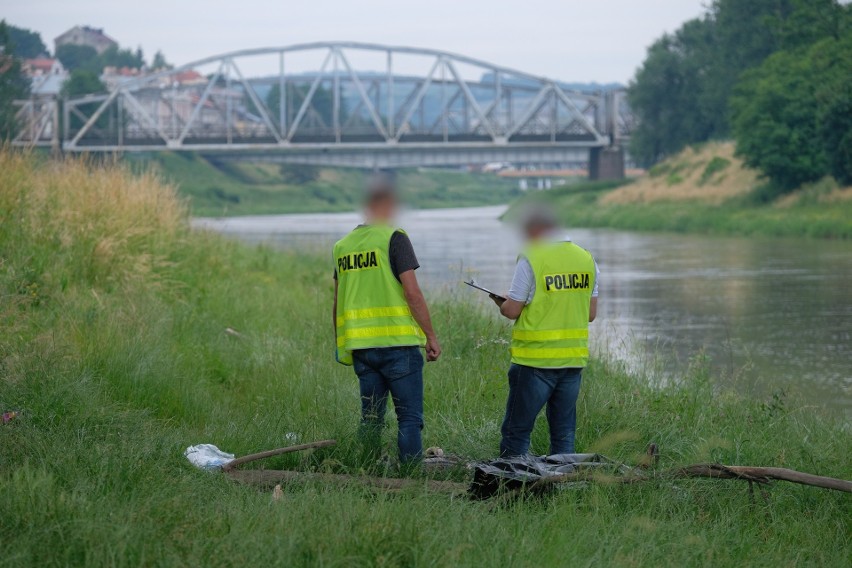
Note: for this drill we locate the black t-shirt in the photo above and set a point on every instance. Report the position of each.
(401, 253)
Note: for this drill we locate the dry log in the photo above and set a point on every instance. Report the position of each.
(268, 454)
(762, 475)
(712, 470)
(269, 478)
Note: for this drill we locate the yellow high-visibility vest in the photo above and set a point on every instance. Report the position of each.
(553, 330)
(371, 306)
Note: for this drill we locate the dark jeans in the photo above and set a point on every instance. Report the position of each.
(398, 372)
(529, 390)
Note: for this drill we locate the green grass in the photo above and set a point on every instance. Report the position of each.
(579, 206)
(716, 165)
(113, 348)
(216, 187)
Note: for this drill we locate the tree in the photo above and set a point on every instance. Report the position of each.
(790, 114)
(84, 57)
(834, 96)
(83, 82)
(748, 31)
(116, 57)
(13, 84)
(321, 112)
(667, 93)
(26, 44)
(681, 94)
(75, 57)
(159, 61)
(774, 122)
(813, 20)
(836, 133)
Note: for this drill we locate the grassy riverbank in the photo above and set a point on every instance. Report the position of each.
(115, 352)
(704, 191)
(219, 188)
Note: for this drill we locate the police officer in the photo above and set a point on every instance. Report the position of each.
(381, 320)
(552, 299)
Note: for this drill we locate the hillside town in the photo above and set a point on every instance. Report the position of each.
(47, 74)
(86, 62)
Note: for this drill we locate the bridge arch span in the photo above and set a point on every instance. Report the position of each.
(335, 105)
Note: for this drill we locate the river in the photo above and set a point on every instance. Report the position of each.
(768, 315)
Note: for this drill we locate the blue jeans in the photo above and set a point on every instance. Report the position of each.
(529, 390)
(398, 372)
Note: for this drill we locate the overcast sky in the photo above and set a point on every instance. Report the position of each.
(570, 40)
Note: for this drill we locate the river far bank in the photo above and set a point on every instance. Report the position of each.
(214, 187)
(703, 190)
(116, 356)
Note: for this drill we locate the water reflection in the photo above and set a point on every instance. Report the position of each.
(770, 314)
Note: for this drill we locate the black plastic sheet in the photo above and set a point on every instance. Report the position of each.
(491, 476)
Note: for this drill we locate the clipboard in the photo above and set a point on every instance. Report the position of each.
(472, 283)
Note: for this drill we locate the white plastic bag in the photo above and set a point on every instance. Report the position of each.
(207, 456)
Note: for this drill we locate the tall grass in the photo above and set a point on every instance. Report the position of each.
(708, 173)
(113, 348)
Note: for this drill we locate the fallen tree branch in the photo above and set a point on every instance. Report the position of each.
(268, 454)
(762, 475)
(751, 474)
(269, 478)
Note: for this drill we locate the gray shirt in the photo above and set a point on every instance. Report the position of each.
(523, 282)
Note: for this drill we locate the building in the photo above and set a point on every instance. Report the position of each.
(188, 77)
(85, 35)
(42, 66)
(114, 77)
(46, 75)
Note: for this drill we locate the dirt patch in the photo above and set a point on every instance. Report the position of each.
(710, 174)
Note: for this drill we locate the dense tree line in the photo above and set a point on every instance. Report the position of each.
(13, 84)
(74, 57)
(321, 107)
(792, 115)
(27, 43)
(773, 74)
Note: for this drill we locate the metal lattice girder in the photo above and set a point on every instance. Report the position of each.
(459, 101)
(37, 120)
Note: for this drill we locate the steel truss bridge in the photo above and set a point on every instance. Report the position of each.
(349, 108)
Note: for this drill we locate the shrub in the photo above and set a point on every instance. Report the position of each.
(714, 166)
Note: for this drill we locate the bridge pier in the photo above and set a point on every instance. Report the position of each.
(606, 163)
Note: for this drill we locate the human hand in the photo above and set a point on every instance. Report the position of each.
(433, 349)
(497, 299)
